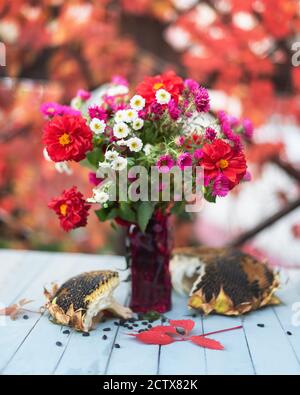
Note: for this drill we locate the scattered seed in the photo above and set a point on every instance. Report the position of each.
(163, 319)
(149, 326)
(180, 331)
(59, 344)
(132, 320)
(289, 333)
(135, 325)
(107, 329)
(261, 325)
(141, 330)
(116, 323)
(117, 345)
(104, 337)
(130, 327)
(25, 317)
(85, 334)
(144, 322)
(194, 315)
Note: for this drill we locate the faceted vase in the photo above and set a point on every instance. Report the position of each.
(148, 255)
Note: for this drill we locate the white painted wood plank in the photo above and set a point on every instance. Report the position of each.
(40, 343)
(270, 349)
(182, 358)
(235, 358)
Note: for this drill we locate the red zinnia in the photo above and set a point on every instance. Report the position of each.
(220, 157)
(71, 209)
(168, 81)
(67, 137)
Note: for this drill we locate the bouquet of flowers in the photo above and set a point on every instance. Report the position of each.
(165, 124)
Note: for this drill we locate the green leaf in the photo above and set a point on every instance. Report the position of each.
(126, 212)
(209, 196)
(105, 214)
(145, 211)
(95, 156)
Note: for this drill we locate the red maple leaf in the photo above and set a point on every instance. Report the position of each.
(205, 342)
(153, 337)
(187, 325)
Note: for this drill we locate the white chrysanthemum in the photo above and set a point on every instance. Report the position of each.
(119, 164)
(138, 124)
(131, 115)
(122, 142)
(135, 144)
(97, 126)
(121, 130)
(162, 96)
(147, 149)
(76, 103)
(120, 116)
(111, 155)
(137, 102)
(116, 90)
(99, 196)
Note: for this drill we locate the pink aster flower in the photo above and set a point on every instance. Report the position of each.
(248, 128)
(83, 94)
(179, 141)
(247, 177)
(97, 112)
(184, 160)
(173, 109)
(221, 186)
(202, 100)
(93, 179)
(119, 80)
(165, 163)
(210, 134)
(192, 85)
(198, 154)
(51, 109)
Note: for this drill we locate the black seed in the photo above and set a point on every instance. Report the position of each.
(66, 332)
(117, 345)
(107, 329)
(289, 333)
(151, 321)
(85, 334)
(141, 330)
(180, 331)
(116, 323)
(25, 317)
(131, 320)
(261, 325)
(149, 326)
(145, 323)
(59, 344)
(104, 337)
(163, 319)
(135, 325)
(194, 315)
(130, 327)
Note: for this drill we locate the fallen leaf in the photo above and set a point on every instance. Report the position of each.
(164, 329)
(154, 337)
(15, 309)
(187, 325)
(205, 342)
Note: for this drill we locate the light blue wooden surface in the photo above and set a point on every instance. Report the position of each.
(29, 346)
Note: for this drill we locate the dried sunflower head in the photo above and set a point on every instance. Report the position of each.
(81, 301)
(223, 280)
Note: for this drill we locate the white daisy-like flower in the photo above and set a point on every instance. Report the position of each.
(122, 142)
(135, 144)
(121, 130)
(97, 126)
(131, 115)
(147, 149)
(119, 164)
(104, 165)
(138, 124)
(111, 155)
(120, 116)
(98, 196)
(162, 96)
(137, 102)
(76, 103)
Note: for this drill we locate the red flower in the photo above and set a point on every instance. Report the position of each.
(67, 137)
(168, 81)
(220, 157)
(71, 209)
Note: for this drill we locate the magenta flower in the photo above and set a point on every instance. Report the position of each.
(51, 109)
(210, 134)
(192, 85)
(93, 179)
(165, 163)
(97, 112)
(202, 100)
(184, 160)
(119, 80)
(173, 109)
(221, 186)
(198, 154)
(248, 128)
(179, 141)
(83, 94)
(247, 177)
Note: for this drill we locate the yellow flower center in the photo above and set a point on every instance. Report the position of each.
(158, 85)
(223, 164)
(63, 209)
(64, 139)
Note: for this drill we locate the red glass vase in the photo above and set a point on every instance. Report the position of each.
(148, 255)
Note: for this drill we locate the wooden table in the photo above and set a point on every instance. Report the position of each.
(28, 346)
